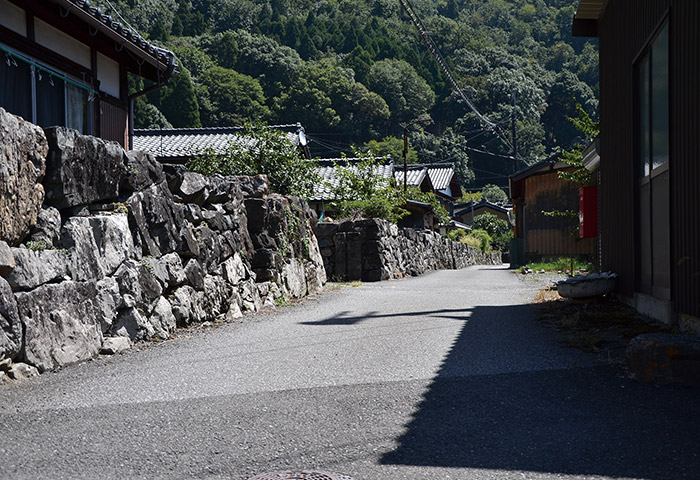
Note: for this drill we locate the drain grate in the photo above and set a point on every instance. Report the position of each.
(300, 475)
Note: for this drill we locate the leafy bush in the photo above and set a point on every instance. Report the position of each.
(261, 150)
(501, 242)
(498, 229)
(457, 235)
(484, 239)
(462, 236)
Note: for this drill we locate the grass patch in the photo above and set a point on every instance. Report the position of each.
(282, 302)
(560, 265)
(337, 285)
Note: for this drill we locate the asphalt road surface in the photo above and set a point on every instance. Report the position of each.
(446, 376)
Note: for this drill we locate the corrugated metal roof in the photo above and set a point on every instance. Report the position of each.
(330, 179)
(185, 142)
(440, 175)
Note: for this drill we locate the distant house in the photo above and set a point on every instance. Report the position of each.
(178, 145)
(64, 62)
(420, 216)
(537, 189)
(649, 191)
(442, 178)
(416, 177)
(465, 213)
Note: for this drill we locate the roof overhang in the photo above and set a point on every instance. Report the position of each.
(591, 155)
(159, 59)
(587, 17)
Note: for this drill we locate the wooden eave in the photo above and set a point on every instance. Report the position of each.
(587, 16)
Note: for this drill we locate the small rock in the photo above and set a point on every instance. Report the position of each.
(3, 378)
(114, 345)
(5, 364)
(7, 260)
(20, 371)
(48, 226)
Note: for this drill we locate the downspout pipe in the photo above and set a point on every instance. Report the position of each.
(171, 72)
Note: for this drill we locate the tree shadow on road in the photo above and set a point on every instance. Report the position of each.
(527, 414)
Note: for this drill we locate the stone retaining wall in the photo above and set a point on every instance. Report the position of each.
(108, 248)
(372, 250)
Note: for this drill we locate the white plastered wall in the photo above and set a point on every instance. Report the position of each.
(13, 17)
(61, 43)
(108, 75)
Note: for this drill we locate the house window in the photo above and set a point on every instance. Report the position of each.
(42, 96)
(16, 87)
(653, 105)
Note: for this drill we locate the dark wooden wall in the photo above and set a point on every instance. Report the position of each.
(624, 31)
(547, 236)
(114, 123)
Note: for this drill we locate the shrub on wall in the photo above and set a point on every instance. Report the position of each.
(261, 150)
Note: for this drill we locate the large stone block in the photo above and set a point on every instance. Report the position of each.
(23, 150)
(142, 171)
(81, 169)
(48, 227)
(10, 326)
(97, 245)
(138, 285)
(35, 268)
(156, 219)
(61, 324)
(254, 187)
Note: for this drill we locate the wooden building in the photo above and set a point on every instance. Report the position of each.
(537, 189)
(65, 62)
(649, 190)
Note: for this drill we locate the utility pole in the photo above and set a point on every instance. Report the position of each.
(405, 147)
(515, 135)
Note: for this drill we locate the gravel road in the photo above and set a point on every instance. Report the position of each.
(445, 376)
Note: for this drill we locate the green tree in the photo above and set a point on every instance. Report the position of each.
(392, 147)
(407, 94)
(235, 98)
(178, 102)
(274, 65)
(447, 148)
(494, 194)
(574, 157)
(498, 229)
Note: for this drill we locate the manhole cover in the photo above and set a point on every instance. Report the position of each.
(300, 475)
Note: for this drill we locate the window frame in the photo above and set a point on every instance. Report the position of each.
(36, 68)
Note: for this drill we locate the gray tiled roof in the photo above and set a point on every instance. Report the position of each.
(329, 175)
(414, 176)
(440, 174)
(180, 143)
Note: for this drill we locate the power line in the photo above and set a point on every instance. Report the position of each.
(435, 52)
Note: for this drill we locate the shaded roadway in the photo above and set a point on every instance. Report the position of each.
(444, 376)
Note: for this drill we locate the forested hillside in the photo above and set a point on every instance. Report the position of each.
(354, 72)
